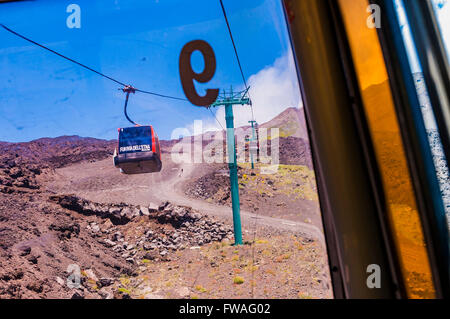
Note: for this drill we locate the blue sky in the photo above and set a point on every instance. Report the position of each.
(137, 42)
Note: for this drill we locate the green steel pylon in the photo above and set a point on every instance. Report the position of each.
(228, 99)
(253, 123)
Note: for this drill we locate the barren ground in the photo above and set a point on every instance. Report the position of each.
(63, 203)
(284, 247)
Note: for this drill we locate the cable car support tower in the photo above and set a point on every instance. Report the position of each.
(228, 99)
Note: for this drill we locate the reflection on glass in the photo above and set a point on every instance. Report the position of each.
(442, 8)
(182, 248)
(384, 129)
(442, 11)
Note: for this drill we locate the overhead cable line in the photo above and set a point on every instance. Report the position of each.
(232, 41)
(88, 68)
(237, 55)
(161, 95)
(128, 89)
(125, 86)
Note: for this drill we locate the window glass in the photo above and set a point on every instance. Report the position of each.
(174, 229)
(389, 150)
(135, 139)
(442, 8)
(442, 11)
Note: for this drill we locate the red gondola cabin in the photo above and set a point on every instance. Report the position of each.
(138, 150)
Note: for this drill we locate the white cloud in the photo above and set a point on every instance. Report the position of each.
(275, 88)
(272, 90)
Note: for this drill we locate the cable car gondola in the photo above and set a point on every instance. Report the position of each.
(138, 150)
(138, 146)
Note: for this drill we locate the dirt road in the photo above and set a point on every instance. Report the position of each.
(101, 182)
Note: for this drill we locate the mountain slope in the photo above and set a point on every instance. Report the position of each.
(291, 122)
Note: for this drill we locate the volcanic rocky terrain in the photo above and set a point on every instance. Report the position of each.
(71, 226)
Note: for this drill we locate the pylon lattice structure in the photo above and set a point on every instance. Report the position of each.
(228, 99)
